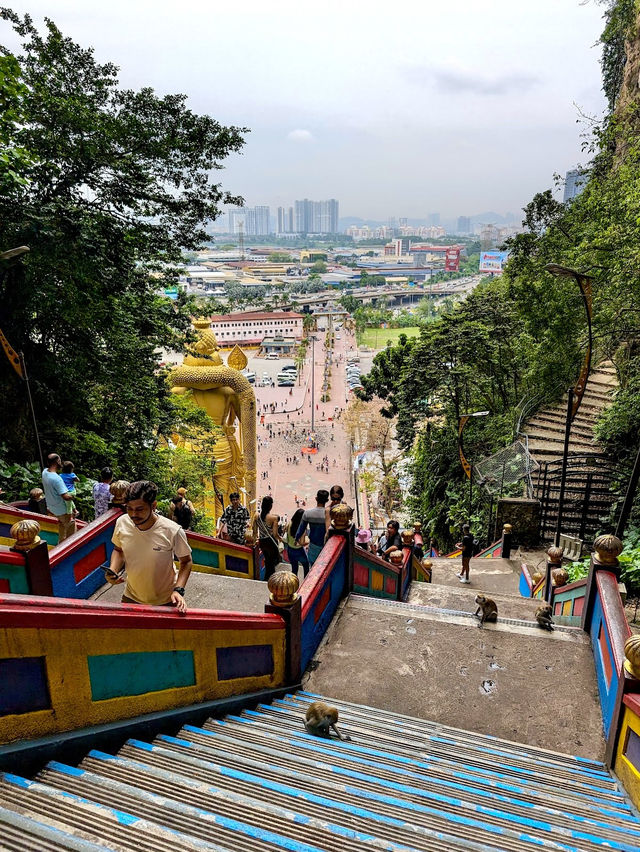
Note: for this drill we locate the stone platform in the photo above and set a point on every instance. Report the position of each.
(507, 680)
(486, 575)
(209, 591)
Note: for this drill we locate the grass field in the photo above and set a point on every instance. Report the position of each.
(377, 338)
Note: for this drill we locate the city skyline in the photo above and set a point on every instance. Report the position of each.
(463, 107)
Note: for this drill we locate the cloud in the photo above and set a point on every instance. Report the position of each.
(450, 81)
(303, 136)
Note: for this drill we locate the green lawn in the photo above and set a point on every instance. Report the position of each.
(377, 338)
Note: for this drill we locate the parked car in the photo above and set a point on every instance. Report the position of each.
(289, 368)
(272, 356)
(286, 383)
(250, 376)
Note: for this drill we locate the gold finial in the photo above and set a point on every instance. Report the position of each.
(407, 538)
(559, 576)
(555, 555)
(26, 535)
(507, 529)
(283, 588)
(201, 323)
(607, 548)
(396, 557)
(237, 359)
(632, 654)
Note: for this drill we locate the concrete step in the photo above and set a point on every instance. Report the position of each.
(442, 666)
(259, 781)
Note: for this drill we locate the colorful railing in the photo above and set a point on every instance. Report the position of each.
(526, 583)
(568, 601)
(215, 556)
(609, 631)
(375, 577)
(77, 565)
(325, 585)
(70, 664)
(627, 760)
(9, 515)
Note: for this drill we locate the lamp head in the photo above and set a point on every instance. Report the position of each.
(14, 252)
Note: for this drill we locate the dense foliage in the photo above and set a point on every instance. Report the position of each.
(522, 337)
(107, 187)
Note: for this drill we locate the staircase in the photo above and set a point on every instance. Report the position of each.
(258, 781)
(545, 430)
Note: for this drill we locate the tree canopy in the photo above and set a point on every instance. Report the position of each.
(107, 186)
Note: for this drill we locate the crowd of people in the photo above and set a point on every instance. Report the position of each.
(148, 543)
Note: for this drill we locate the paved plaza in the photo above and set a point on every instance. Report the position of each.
(291, 425)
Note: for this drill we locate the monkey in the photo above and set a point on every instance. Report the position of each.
(543, 616)
(488, 608)
(319, 720)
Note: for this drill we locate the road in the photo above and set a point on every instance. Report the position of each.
(290, 424)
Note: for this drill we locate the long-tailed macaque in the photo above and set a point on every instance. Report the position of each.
(319, 720)
(543, 616)
(487, 609)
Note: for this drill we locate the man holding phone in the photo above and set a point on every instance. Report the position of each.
(147, 544)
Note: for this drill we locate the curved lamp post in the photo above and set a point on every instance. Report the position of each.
(16, 359)
(574, 394)
(466, 466)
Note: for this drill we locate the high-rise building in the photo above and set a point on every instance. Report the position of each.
(282, 220)
(574, 182)
(464, 225)
(433, 218)
(262, 221)
(255, 220)
(403, 221)
(316, 217)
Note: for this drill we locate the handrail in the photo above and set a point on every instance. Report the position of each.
(222, 542)
(613, 610)
(322, 567)
(80, 537)
(70, 614)
(377, 560)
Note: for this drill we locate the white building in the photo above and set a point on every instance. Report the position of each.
(251, 327)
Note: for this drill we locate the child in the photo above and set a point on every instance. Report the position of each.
(37, 503)
(69, 478)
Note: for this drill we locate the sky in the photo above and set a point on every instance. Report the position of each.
(457, 106)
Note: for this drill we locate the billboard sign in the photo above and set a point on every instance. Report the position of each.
(493, 261)
(452, 259)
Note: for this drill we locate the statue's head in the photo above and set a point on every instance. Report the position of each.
(204, 352)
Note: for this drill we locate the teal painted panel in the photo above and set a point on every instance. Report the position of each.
(117, 675)
(49, 537)
(17, 578)
(210, 558)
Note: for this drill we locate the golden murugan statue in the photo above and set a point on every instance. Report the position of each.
(228, 398)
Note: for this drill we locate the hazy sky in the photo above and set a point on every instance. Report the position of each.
(456, 106)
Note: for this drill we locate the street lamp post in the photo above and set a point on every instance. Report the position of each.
(466, 466)
(313, 383)
(16, 359)
(576, 393)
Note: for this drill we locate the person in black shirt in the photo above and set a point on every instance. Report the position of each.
(393, 540)
(467, 552)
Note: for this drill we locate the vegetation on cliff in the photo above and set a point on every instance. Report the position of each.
(521, 338)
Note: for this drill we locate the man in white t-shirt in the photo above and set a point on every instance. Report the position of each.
(145, 544)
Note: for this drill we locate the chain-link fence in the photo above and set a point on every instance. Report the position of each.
(506, 467)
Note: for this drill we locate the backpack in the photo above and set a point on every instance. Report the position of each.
(183, 515)
(476, 547)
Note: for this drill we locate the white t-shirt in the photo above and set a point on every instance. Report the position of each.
(149, 558)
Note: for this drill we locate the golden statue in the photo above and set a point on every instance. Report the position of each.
(228, 398)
